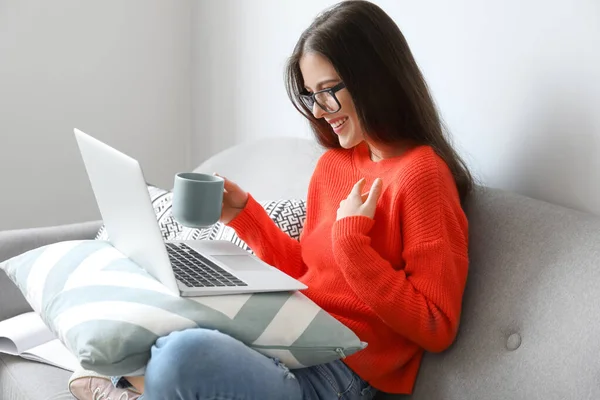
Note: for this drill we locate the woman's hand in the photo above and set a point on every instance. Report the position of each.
(234, 200)
(360, 204)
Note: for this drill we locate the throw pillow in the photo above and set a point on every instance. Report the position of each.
(162, 202)
(288, 215)
(109, 311)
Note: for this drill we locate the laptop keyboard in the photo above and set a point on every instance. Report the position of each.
(195, 270)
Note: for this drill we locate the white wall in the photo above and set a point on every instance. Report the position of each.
(239, 52)
(518, 83)
(119, 70)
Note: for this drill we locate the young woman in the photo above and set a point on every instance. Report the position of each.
(384, 246)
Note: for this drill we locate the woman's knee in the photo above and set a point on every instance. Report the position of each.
(185, 354)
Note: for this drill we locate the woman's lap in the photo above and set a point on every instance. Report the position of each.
(201, 363)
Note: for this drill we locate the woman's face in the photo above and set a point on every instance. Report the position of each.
(318, 74)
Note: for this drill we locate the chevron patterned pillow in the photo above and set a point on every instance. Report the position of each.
(109, 311)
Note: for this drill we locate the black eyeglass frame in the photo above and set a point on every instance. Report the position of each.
(312, 99)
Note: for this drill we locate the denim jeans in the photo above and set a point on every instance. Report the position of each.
(206, 364)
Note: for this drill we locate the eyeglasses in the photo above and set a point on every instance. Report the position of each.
(325, 98)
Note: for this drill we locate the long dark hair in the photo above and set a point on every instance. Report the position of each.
(373, 59)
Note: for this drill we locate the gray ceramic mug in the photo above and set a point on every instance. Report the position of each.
(197, 199)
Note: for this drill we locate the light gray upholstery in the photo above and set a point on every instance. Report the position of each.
(26, 380)
(529, 328)
(534, 278)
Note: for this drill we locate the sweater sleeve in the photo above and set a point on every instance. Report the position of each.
(421, 301)
(254, 226)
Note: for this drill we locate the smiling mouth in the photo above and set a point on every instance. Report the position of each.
(339, 123)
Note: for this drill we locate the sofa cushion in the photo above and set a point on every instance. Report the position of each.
(109, 311)
(22, 379)
(529, 327)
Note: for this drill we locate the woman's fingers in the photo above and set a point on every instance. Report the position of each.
(229, 186)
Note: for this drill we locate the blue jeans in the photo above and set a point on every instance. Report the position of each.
(206, 364)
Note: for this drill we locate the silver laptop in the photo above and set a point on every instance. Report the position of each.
(187, 268)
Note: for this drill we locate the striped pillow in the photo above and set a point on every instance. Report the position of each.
(109, 312)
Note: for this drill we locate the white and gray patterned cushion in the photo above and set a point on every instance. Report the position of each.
(109, 311)
(162, 202)
(289, 215)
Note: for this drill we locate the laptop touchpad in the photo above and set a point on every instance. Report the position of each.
(241, 263)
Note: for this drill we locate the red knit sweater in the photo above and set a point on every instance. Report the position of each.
(396, 280)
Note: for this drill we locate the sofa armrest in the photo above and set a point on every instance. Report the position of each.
(15, 242)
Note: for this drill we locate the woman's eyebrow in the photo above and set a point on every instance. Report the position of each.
(323, 83)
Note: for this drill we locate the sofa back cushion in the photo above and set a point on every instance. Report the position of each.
(530, 327)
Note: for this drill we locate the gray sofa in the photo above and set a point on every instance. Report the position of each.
(530, 325)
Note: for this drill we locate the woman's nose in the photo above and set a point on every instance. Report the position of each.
(317, 111)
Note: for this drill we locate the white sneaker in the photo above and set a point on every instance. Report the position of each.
(88, 385)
